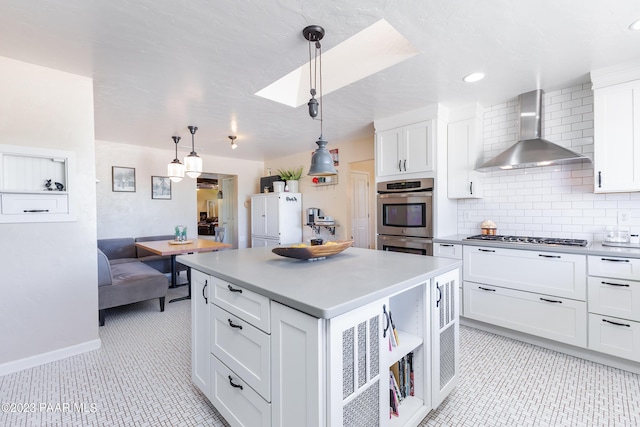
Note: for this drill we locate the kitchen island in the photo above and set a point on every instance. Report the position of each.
(279, 341)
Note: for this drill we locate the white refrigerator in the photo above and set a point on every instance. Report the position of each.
(276, 219)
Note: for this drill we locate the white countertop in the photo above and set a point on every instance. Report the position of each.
(593, 248)
(324, 288)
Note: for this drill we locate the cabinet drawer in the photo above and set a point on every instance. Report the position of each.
(549, 273)
(614, 297)
(616, 267)
(238, 403)
(249, 306)
(614, 336)
(559, 319)
(447, 250)
(34, 204)
(243, 348)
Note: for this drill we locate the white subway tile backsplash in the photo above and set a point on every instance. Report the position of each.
(547, 201)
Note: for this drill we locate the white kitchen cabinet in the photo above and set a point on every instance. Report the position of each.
(550, 273)
(614, 306)
(405, 149)
(24, 196)
(200, 327)
(452, 251)
(616, 128)
(547, 316)
(464, 143)
(276, 218)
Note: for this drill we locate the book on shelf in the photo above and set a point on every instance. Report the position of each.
(394, 402)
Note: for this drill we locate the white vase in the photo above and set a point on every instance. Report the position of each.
(293, 185)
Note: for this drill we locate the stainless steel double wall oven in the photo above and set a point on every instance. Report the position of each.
(405, 216)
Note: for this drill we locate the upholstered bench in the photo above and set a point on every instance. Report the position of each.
(125, 281)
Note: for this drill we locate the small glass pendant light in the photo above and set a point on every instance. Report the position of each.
(192, 162)
(175, 169)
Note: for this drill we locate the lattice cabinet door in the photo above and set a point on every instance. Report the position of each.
(356, 391)
(444, 335)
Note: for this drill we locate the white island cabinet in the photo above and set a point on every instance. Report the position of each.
(297, 343)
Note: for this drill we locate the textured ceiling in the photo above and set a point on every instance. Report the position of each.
(159, 66)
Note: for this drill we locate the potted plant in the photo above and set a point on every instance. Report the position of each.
(291, 176)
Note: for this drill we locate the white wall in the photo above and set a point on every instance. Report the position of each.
(332, 199)
(549, 201)
(136, 214)
(49, 304)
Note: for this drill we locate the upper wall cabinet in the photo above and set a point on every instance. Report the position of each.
(405, 149)
(616, 129)
(35, 185)
(464, 151)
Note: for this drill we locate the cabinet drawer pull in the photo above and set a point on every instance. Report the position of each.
(486, 250)
(232, 289)
(405, 165)
(386, 316)
(614, 260)
(206, 301)
(400, 165)
(234, 385)
(439, 295)
(599, 179)
(616, 323)
(486, 289)
(551, 300)
(625, 285)
(471, 188)
(446, 245)
(234, 325)
(35, 210)
(549, 256)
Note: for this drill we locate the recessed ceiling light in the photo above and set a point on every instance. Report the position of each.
(373, 49)
(635, 26)
(473, 77)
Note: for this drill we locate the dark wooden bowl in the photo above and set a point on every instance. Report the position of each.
(312, 252)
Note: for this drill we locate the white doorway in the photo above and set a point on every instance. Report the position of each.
(360, 209)
(217, 207)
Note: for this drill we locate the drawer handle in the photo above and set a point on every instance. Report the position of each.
(232, 289)
(551, 300)
(616, 323)
(614, 260)
(35, 210)
(549, 256)
(486, 289)
(386, 316)
(234, 385)
(206, 301)
(625, 285)
(446, 245)
(234, 325)
(486, 250)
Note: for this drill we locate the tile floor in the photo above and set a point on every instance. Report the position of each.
(141, 376)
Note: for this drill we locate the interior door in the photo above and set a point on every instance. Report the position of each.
(360, 231)
(228, 206)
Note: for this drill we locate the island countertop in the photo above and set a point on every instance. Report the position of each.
(324, 288)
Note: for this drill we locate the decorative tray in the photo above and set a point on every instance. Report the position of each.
(180, 242)
(312, 253)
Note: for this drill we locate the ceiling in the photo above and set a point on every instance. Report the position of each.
(160, 65)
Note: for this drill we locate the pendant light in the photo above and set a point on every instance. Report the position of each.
(193, 163)
(321, 160)
(175, 169)
(233, 142)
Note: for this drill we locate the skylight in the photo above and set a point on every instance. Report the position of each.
(373, 49)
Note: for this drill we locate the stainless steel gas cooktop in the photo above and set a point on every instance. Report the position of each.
(530, 240)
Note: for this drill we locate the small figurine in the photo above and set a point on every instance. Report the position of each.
(48, 185)
(59, 186)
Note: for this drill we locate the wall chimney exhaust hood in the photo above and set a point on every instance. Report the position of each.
(531, 150)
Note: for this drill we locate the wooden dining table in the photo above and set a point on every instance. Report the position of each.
(173, 248)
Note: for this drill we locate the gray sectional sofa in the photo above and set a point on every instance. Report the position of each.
(127, 274)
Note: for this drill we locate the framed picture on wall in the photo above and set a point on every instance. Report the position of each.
(160, 187)
(124, 179)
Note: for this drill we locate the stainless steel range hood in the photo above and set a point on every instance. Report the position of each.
(531, 150)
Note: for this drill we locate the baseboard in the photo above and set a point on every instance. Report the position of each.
(582, 353)
(51, 356)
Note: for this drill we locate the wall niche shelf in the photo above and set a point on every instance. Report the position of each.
(24, 194)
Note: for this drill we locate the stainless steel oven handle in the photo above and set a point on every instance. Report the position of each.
(405, 195)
